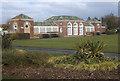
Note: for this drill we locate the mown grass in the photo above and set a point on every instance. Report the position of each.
(70, 42)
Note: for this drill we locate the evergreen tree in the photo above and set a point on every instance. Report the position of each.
(88, 18)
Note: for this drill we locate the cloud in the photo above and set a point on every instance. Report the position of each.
(62, 0)
(43, 10)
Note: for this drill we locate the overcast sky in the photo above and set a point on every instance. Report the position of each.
(43, 10)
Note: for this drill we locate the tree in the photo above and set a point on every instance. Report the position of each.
(96, 18)
(5, 27)
(110, 21)
(88, 18)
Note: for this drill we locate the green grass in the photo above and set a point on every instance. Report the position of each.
(69, 42)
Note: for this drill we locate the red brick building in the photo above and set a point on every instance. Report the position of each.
(21, 24)
(65, 26)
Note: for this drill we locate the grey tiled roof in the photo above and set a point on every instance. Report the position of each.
(44, 24)
(55, 18)
(94, 20)
(22, 16)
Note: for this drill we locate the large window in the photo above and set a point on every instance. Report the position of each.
(69, 29)
(42, 30)
(55, 29)
(48, 29)
(80, 29)
(36, 30)
(75, 29)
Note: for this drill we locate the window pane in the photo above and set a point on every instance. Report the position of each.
(55, 29)
(36, 30)
(42, 29)
(48, 29)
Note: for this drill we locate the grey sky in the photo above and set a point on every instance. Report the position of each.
(43, 10)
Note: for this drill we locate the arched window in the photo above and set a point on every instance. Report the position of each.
(75, 29)
(69, 28)
(80, 29)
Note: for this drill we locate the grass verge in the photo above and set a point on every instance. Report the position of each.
(69, 42)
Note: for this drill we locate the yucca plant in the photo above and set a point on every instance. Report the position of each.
(90, 49)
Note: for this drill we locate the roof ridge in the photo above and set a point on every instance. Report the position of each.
(22, 16)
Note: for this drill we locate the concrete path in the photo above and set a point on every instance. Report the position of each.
(61, 51)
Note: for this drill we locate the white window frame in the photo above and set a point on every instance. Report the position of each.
(75, 27)
(69, 27)
(81, 28)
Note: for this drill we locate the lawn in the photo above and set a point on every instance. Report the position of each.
(70, 42)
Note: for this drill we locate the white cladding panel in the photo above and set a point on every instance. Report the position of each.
(45, 29)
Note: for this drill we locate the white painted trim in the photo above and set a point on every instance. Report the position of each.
(75, 27)
(71, 28)
(80, 28)
(51, 27)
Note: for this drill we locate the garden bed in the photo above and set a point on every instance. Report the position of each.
(23, 64)
(57, 73)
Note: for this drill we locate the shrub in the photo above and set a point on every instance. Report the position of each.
(6, 41)
(90, 49)
(97, 33)
(103, 32)
(24, 58)
(109, 32)
(18, 36)
(53, 35)
(90, 33)
(45, 36)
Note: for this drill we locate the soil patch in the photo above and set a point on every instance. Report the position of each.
(58, 73)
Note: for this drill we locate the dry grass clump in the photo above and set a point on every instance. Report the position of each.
(108, 65)
(23, 58)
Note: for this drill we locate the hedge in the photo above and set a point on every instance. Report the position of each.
(97, 33)
(53, 35)
(45, 36)
(48, 35)
(110, 32)
(15, 36)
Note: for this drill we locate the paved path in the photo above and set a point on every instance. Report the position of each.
(61, 51)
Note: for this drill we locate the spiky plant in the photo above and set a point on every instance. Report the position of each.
(90, 49)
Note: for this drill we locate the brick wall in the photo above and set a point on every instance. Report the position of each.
(20, 23)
